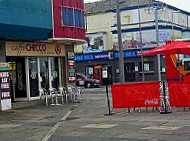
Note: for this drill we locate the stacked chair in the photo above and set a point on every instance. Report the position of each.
(71, 93)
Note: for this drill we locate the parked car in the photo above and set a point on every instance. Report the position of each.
(82, 80)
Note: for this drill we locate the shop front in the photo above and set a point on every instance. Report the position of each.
(37, 66)
(85, 63)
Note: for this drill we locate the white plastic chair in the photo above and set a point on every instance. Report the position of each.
(71, 92)
(43, 92)
(63, 93)
(74, 93)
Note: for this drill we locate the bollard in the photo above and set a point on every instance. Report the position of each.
(108, 102)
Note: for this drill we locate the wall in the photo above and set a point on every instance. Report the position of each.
(62, 31)
(101, 23)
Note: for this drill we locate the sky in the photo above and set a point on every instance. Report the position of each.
(181, 4)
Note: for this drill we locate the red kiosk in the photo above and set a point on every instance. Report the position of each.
(148, 94)
(178, 81)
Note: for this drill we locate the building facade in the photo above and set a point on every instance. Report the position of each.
(35, 39)
(102, 36)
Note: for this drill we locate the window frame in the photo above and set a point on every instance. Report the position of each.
(80, 17)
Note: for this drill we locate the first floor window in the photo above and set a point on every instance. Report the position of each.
(72, 17)
(67, 16)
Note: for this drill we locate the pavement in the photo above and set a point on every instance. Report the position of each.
(86, 121)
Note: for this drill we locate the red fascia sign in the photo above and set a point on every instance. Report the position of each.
(136, 95)
(5, 87)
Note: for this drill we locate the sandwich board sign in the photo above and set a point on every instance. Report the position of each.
(5, 87)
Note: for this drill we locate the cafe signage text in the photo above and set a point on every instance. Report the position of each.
(34, 49)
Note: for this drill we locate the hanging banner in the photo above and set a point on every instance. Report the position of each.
(34, 49)
(179, 93)
(136, 95)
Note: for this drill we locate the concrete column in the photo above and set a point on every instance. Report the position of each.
(2, 51)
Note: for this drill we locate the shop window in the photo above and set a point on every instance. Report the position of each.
(187, 65)
(90, 71)
(148, 67)
(72, 17)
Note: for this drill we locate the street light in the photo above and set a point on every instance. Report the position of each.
(178, 61)
(155, 6)
(121, 60)
(141, 46)
(157, 41)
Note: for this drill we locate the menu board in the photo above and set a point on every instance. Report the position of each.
(5, 88)
(71, 71)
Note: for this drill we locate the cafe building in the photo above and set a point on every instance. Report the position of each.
(35, 66)
(37, 46)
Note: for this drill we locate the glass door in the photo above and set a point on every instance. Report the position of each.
(129, 71)
(33, 76)
(44, 72)
(18, 77)
(54, 72)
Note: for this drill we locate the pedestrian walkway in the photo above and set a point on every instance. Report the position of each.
(33, 121)
(30, 120)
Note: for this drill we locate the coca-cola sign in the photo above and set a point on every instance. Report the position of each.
(151, 102)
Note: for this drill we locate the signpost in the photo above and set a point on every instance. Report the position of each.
(107, 81)
(5, 87)
(71, 67)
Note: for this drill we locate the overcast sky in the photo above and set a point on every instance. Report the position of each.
(182, 4)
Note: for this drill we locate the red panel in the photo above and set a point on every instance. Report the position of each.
(171, 70)
(179, 94)
(61, 31)
(136, 95)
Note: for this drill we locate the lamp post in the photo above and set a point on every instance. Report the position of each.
(173, 38)
(157, 41)
(121, 60)
(155, 7)
(141, 45)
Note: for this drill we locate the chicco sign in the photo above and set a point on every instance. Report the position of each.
(34, 49)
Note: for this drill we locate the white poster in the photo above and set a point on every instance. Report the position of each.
(94, 43)
(104, 74)
(132, 39)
